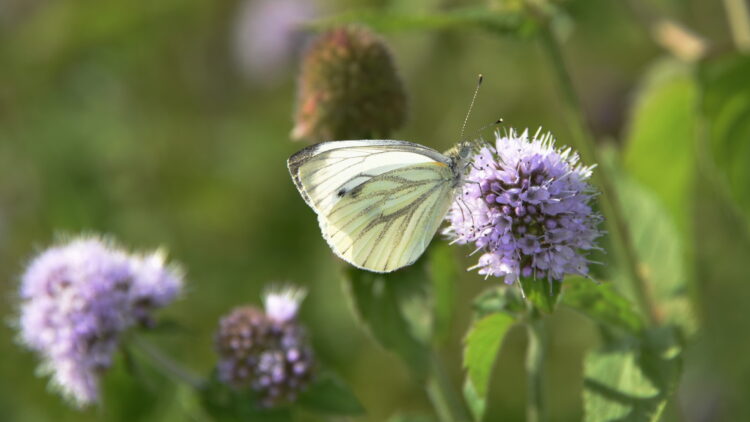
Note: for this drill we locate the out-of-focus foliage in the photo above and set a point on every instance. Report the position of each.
(483, 342)
(662, 259)
(602, 304)
(726, 104)
(135, 119)
(631, 381)
(661, 138)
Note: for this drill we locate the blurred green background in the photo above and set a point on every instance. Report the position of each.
(167, 124)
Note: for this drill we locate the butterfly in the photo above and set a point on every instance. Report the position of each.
(379, 202)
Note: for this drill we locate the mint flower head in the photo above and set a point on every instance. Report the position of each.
(525, 205)
(266, 350)
(77, 299)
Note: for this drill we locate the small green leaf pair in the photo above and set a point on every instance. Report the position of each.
(327, 395)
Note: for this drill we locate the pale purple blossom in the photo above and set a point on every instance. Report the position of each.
(525, 206)
(76, 300)
(268, 34)
(282, 303)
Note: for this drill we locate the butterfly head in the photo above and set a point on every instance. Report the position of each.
(460, 156)
(465, 150)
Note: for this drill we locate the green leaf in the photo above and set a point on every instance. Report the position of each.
(726, 107)
(617, 389)
(226, 404)
(377, 299)
(477, 404)
(186, 405)
(661, 135)
(601, 303)
(722, 284)
(443, 272)
(542, 293)
(499, 299)
(631, 381)
(660, 253)
(508, 22)
(480, 352)
(329, 395)
(132, 390)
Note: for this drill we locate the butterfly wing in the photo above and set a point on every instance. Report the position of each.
(379, 203)
(387, 222)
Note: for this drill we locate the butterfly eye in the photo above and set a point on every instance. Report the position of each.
(465, 151)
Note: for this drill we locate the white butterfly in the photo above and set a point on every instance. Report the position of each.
(379, 202)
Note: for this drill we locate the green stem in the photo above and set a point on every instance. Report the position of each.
(739, 23)
(584, 143)
(535, 410)
(164, 363)
(448, 406)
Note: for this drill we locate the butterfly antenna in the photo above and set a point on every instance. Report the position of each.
(495, 123)
(473, 98)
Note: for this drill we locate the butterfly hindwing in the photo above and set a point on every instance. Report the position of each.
(379, 202)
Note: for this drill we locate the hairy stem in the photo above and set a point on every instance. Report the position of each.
(535, 410)
(448, 405)
(739, 23)
(584, 142)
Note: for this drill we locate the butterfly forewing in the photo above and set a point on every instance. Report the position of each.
(379, 203)
(323, 170)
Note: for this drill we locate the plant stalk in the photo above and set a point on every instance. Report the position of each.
(448, 406)
(164, 363)
(535, 409)
(739, 23)
(584, 143)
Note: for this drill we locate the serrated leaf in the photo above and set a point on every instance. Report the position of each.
(376, 299)
(631, 381)
(661, 138)
(443, 273)
(601, 303)
(726, 107)
(481, 348)
(329, 395)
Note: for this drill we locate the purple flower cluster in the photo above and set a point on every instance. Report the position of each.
(266, 351)
(77, 298)
(526, 206)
